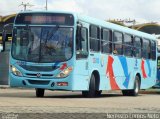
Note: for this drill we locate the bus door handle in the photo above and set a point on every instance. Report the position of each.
(91, 54)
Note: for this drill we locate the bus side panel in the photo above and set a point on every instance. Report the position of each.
(148, 68)
(81, 76)
(116, 73)
(104, 78)
(119, 72)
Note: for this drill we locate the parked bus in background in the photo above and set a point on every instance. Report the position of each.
(158, 63)
(66, 51)
(158, 72)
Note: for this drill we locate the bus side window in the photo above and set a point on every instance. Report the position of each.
(146, 49)
(128, 45)
(153, 50)
(158, 62)
(82, 43)
(137, 47)
(117, 43)
(106, 45)
(94, 38)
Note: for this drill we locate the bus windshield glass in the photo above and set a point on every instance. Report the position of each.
(42, 44)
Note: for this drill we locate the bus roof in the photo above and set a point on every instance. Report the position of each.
(44, 11)
(101, 23)
(115, 27)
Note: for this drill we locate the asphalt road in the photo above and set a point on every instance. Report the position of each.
(24, 101)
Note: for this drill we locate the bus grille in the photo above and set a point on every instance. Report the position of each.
(38, 82)
(39, 68)
(35, 75)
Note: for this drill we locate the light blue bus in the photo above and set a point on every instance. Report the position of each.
(158, 72)
(66, 51)
(158, 64)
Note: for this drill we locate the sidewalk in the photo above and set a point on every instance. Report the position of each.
(4, 86)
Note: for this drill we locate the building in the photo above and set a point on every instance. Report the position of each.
(151, 28)
(6, 22)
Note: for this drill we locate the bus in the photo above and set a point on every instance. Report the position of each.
(67, 51)
(158, 72)
(158, 63)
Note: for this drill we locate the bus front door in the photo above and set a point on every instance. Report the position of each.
(81, 66)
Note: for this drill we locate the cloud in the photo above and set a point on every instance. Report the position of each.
(13, 6)
(121, 9)
(65, 5)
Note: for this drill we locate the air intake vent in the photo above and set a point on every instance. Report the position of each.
(38, 82)
(42, 75)
(40, 68)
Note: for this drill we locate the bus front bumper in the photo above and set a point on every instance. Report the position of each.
(51, 84)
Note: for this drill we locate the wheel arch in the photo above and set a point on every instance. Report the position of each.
(97, 79)
(139, 76)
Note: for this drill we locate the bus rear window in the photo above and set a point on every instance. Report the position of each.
(45, 19)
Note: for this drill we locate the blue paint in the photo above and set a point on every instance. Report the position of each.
(56, 64)
(125, 70)
(136, 64)
(102, 61)
(149, 68)
(96, 60)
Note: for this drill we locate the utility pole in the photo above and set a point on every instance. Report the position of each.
(46, 7)
(25, 5)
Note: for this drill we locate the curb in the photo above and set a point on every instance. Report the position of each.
(4, 86)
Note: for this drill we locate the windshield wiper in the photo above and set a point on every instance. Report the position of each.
(52, 33)
(49, 36)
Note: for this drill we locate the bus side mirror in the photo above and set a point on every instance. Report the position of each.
(78, 38)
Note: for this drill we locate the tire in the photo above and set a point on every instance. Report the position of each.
(126, 92)
(40, 92)
(135, 90)
(98, 93)
(92, 88)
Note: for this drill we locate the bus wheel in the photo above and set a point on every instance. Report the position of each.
(92, 89)
(135, 90)
(39, 92)
(98, 93)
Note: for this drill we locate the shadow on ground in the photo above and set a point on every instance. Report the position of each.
(54, 94)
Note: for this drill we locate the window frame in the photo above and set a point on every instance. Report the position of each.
(109, 42)
(149, 41)
(137, 48)
(97, 38)
(113, 34)
(131, 46)
(155, 50)
(87, 45)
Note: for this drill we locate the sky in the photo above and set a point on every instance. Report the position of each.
(140, 10)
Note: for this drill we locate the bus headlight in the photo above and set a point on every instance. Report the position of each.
(65, 72)
(15, 71)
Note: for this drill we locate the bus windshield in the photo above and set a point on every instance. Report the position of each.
(42, 44)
